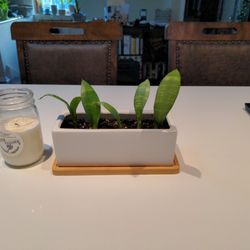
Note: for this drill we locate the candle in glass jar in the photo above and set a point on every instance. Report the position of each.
(21, 141)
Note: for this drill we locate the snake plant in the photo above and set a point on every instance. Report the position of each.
(166, 95)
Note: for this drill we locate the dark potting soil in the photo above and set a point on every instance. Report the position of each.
(107, 122)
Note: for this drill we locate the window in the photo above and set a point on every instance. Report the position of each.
(52, 6)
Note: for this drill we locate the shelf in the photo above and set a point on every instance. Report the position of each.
(144, 45)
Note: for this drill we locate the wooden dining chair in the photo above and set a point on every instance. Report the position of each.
(210, 53)
(67, 52)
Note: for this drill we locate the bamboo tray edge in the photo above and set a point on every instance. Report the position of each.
(115, 170)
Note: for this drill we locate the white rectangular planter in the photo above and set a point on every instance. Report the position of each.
(91, 147)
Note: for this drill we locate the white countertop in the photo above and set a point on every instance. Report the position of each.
(11, 19)
(205, 207)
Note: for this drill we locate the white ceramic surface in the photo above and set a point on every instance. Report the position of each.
(77, 147)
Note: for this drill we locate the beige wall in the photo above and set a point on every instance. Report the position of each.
(94, 8)
(178, 7)
(150, 5)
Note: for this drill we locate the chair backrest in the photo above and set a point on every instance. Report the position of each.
(210, 53)
(67, 52)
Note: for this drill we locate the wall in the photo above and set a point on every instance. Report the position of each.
(178, 7)
(94, 8)
(150, 5)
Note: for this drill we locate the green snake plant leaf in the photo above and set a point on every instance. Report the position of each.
(113, 112)
(58, 98)
(71, 107)
(166, 95)
(90, 102)
(140, 99)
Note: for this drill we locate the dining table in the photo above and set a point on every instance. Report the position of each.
(206, 206)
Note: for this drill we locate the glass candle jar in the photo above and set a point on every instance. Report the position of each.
(20, 131)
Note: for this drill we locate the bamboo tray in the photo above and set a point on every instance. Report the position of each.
(115, 170)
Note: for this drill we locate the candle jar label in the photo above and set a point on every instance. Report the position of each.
(11, 144)
(21, 141)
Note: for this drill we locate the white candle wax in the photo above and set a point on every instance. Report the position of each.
(21, 141)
